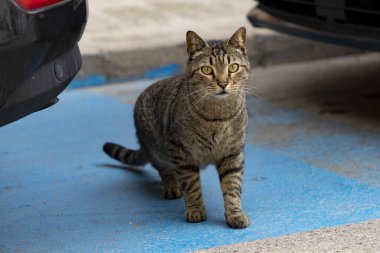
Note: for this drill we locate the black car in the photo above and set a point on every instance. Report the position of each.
(39, 53)
(354, 23)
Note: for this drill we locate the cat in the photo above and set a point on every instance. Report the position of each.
(198, 118)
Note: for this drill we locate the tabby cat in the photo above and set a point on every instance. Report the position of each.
(186, 122)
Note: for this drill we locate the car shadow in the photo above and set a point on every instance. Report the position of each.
(344, 89)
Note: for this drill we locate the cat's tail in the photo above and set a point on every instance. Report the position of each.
(125, 155)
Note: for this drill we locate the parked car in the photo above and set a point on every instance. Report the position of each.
(354, 23)
(39, 53)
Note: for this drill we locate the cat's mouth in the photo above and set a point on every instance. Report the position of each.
(222, 93)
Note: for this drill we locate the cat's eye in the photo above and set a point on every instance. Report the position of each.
(206, 70)
(233, 68)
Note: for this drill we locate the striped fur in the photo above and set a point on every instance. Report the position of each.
(124, 155)
(186, 122)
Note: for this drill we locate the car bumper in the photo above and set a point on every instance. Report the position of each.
(39, 55)
(42, 88)
(310, 29)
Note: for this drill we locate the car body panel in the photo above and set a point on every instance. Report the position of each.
(29, 40)
(320, 21)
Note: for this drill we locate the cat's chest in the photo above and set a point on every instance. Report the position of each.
(220, 135)
(210, 144)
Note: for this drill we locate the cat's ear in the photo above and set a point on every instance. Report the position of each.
(238, 40)
(194, 42)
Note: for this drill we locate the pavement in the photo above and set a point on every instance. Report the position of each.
(128, 25)
(129, 40)
(356, 237)
(312, 168)
(311, 178)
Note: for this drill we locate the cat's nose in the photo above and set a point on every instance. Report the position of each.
(222, 84)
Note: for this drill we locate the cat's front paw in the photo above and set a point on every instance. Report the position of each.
(172, 193)
(238, 220)
(196, 215)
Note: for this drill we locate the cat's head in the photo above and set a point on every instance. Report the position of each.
(220, 68)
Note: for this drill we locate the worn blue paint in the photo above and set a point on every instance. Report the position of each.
(60, 193)
(352, 150)
(97, 79)
(87, 81)
(164, 71)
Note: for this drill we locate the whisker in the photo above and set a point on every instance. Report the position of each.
(198, 96)
(256, 86)
(240, 95)
(251, 93)
(200, 99)
(250, 89)
(193, 93)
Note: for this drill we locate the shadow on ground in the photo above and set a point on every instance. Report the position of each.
(345, 88)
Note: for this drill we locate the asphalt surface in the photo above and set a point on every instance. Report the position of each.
(356, 237)
(311, 179)
(312, 170)
(129, 40)
(117, 26)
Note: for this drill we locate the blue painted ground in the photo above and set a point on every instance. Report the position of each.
(151, 73)
(60, 193)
